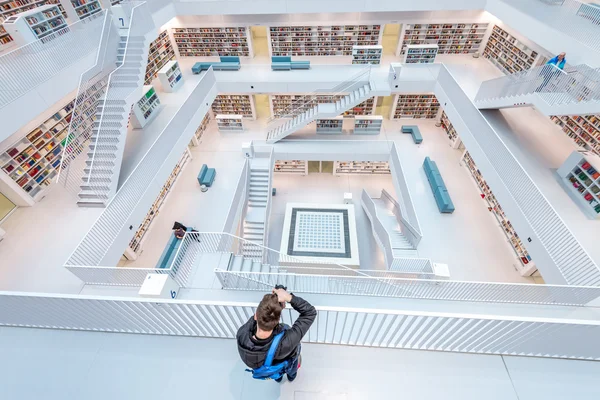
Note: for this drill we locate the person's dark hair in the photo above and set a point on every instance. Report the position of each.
(268, 312)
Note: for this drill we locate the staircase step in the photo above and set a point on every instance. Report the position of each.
(246, 265)
(256, 266)
(101, 155)
(96, 203)
(92, 194)
(103, 147)
(98, 171)
(100, 163)
(236, 263)
(95, 188)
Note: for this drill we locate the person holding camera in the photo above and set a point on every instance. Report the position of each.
(270, 348)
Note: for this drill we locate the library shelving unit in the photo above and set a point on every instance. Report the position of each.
(161, 52)
(85, 8)
(583, 129)
(4, 36)
(170, 76)
(508, 53)
(459, 38)
(135, 246)
(525, 265)
(200, 130)
(367, 54)
(12, 7)
(230, 123)
(415, 106)
(34, 160)
(421, 53)
(368, 125)
(296, 167)
(581, 174)
(336, 40)
(35, 24)
(235, 104)
(282, 103)
(455, 141)
(332, 126)
(146, 108)
(208, 42)
(361, 167)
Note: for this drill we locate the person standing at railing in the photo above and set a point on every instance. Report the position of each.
(270, 348)
(549, 72)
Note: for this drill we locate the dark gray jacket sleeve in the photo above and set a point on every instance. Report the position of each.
(293, 336)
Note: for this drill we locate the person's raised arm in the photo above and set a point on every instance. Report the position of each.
(307, 316)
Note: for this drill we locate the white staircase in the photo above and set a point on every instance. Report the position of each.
(401, 247)
(243, 264)
(255, 221)
(574, 91)
(304, 116)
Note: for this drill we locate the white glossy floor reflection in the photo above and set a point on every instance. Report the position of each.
(65, 365)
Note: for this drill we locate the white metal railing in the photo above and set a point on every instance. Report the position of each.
(94, 246)
(92, 88)
(405, 203)
(311, 100)
(269, 205)
(383, 238)
(553, 85)
(24, 68)
(571, 259)
(451, 332)
(325, 282)
(572, 17)
(238, 201)
(140, 23)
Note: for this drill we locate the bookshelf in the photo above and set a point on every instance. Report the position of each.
(235, 104)
(230, 123)
(200, 130)
(146, 108)
(368, 125)
(583, 129)
(581, 175)
(207, 42)
(35, 24)
(34, 160)
(421, 53)
(12, 7)
(330, 126)
(85, 8)
(135, 246)
(454, 38)
(526, 265)
(455, 141)
(507, 53)
(361, 167)
(282, 103)
(4, 36)
(322, 40)
(295, 167)
(161, 52)
(415, 106)
(170, 77)
(367, 54)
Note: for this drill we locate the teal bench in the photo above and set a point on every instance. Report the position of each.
(228, 63)
(169, 253)
(414, 131)
(438, 187)
(206, 176)
(285, 63)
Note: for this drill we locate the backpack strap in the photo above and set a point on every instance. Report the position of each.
(273, 348)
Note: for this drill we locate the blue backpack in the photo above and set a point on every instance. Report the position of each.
(267, 370)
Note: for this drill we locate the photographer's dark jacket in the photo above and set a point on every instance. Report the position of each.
(254, 351)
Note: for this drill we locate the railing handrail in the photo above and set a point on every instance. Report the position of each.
(338, 89)
(135, 4)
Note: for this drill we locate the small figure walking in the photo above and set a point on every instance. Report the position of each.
(272, 349)
(549, 71)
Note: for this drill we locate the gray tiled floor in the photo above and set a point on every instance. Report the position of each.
(47, 364)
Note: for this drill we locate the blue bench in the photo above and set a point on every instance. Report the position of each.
(438, 187)
(228, 63)
(168, 255)
(285, 63)
(206, 176)
(414, 131)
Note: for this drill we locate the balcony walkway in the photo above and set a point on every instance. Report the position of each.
(61, 365)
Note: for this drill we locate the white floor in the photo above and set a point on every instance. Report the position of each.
(67, 365)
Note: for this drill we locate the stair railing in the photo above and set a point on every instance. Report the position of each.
(310, 100)
(92, 88)
(140, 23)
(556, 86)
